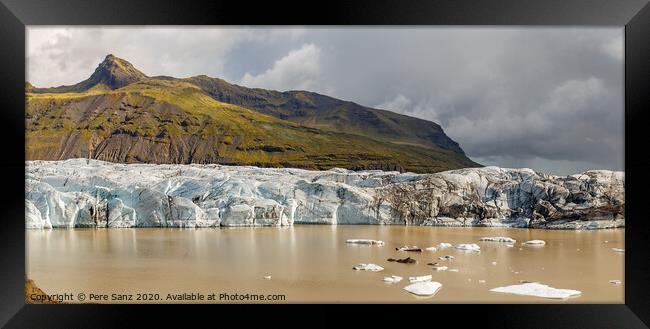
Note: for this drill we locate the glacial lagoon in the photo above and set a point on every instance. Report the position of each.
(313, 263)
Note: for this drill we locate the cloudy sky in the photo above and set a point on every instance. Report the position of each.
(550, 99)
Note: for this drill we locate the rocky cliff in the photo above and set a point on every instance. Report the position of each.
(92, 193)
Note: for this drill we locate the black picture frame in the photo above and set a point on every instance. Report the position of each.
(633, 14)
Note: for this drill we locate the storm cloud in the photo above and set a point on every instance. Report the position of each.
(550, 99)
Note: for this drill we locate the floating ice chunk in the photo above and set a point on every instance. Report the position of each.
(422, 278)
(453, 270)
(431, 249)
(537, 290)
(468, 246)
(408, 248)
(439, 268)
(267, 277)
(494, 263)
(446, 257)
(498, 239)
(618, 250)
(365, 241)
(444, 245)
(427, 288)
(392, 278)
(616, 282)
(368, 267)
(481, 281)
(536, 242)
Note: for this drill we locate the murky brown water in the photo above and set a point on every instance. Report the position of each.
(312, 263)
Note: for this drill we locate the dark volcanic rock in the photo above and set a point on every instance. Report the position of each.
(407, 260)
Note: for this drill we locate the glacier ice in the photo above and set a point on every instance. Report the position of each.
(92, 193)
(368, 267)
(421, 278)
(427, 288)
(498, 239)
(365, 241)
(538, 290)
(392, 278)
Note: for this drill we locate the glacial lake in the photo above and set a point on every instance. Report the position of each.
(313, 263)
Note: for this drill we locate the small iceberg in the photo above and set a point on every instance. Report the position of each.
(392, 278)
(267, 277)
(368, 267)
(365, 241)
(616, 282)
(408, 248)
(439, 268)
(618, 250)
(536, 242)
(498, 239)
(427, 288)
(538, 290)
(431, 249)
(422, 278)
(468, 247)
(444, 245)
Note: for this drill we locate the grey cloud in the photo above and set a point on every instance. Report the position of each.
(175, 51)
(299, 69)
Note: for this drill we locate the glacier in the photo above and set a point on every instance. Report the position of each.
(92, 193)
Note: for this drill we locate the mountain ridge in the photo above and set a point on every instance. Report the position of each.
(326, 112)
(120, 114)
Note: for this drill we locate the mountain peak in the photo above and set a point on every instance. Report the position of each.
(115, 72)
(114, 60)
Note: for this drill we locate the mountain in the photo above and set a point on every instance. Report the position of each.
(112, 73)
(327, 113)
(119, 114)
